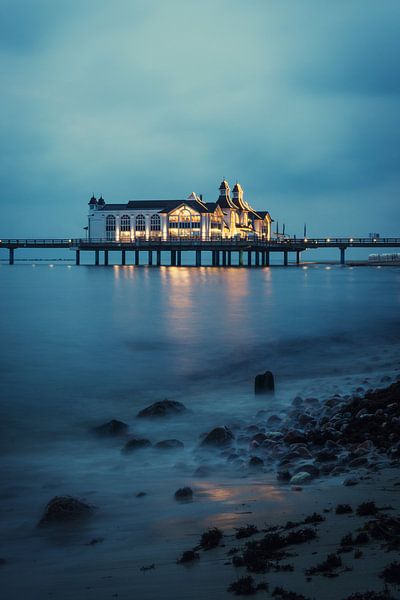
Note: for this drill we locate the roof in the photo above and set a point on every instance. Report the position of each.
(158, 205)
(92, 200)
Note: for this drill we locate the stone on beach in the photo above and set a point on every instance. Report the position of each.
(62, 509)
(169, 445)
(219, 436)
(301, 478)
(163, 408)
(111, 428)
(185, 493)
(136, 444)
(264, 383)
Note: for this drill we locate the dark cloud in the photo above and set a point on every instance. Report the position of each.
(299, 101)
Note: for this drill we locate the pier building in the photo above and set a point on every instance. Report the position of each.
(231, 216)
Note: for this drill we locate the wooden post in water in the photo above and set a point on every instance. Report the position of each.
(298, 257)
(158, 258)
(106, 258)
(150, 254)
(285, 258)
(198, 258)
(240, 258)
(96, 258)
(249, 258)
(173, 258)
(229, 258)
(342, 256)
(179, 258)
(137, 258)
(224, 258)
(77, 258)
(257, 258)
(11, 256)
(123, 257)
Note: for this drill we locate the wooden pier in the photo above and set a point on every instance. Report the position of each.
(249, 252)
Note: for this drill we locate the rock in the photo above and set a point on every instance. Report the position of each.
(111, 428)
(326, 456)
(301, 478)
(169, 445)
(136, 444)
(188, 556)
(185, 493)
(283, 475)
(264, 384)
(259, 438)
(306, 419)
(295, 436)
(350, 481)
(219, 436)
(361, 461)
(273, 420)
(62, 509)
(256, 462)
(308, 468)
(164, 408)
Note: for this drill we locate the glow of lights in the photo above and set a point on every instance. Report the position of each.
(305, 268)
(328, 268)
(69, 267)
(374, 240)
(351, 239)
(328, 240)
(33, 265)
(51, 266)
(306, 240)
(70, 241)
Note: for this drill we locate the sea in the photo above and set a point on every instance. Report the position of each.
(83, 345)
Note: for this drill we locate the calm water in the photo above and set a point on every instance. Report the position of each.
(80, 345)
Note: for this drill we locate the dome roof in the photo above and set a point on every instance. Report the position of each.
(101, 201)
(93, 200)
(224, 185)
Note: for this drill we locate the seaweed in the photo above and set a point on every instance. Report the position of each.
(188, 556)
(367, 509)
(332, 562)
(391, 573)
(385, 595)
(283, 594)
(343, 509)
(245, 586)
(211, 538)
(313, 519)
(245, 532)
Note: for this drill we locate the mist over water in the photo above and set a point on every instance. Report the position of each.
(82, 345)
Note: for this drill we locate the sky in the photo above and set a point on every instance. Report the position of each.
(298, 100)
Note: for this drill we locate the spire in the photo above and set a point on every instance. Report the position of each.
(92, 201)
(224, 199)
(238, 196)
(101, 201)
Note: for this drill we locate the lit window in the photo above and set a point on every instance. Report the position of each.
(140, 223)
(110, 228)
(155, 223)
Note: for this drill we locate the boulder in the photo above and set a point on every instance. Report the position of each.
(63, 509)
(308, 468)
(185, 493)
(136, 444)
(163, 408)
(255, 462)
(264, 383)
(169, 445)
(301, 478)
(111, 428)
(219, 436)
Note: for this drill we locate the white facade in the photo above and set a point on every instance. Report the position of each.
(169, 219)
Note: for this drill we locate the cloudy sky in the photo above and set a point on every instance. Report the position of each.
(297, 99)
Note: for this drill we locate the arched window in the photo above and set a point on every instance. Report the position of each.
(125, 223)
(155, 223)
(110, 228)
(140, 223)
(184, 219)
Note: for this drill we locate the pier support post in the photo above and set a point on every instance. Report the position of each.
(249, 258)
(285, 258)
(150, 254)
(96, 258)
(224, 258)
(217, 258)
(240, 258)
(11, 256)
(123, 257)
(173, 258)
(137, 258)
(229, 258)
(342, 256)
(298, 257)
(267, 258)
(158, 258)
(77, 258)
(179, 258)
(106, 258)
(198, 258)
(257, 258)
(213, 258)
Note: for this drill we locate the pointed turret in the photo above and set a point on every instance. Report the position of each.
(238, 196)
(224, 200)
(93, 201)
(101, 201)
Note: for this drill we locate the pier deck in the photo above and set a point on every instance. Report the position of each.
(257, 251)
